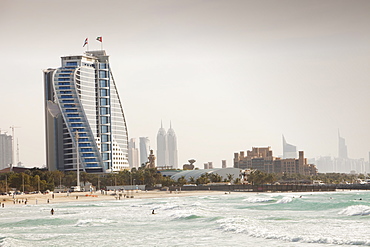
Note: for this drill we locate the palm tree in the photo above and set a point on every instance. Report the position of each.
(230, 177)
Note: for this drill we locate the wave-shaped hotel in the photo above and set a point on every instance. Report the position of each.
(85, 123)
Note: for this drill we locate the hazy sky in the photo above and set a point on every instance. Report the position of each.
(228, 74)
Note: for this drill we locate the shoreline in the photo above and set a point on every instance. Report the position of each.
(55, 198)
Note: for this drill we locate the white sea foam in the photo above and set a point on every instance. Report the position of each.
(256, 199)
(284, 200)
(232, 221)
(93, 222)
(356, 210)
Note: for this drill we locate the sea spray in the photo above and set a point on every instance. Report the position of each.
(356, 210)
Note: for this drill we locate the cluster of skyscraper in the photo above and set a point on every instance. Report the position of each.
(341, 163)
(166, 150)
(138, 154)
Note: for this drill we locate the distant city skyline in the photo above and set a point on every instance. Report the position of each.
(231, 74)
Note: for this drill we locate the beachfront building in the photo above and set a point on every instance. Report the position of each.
(84, 120)
(6, 150)
(261, 158)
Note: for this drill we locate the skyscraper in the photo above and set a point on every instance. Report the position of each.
(172, 148)
(6, 150)
(162, 152)
(342, 147)
(144, 150)
(289, 150)
(84, 116)
(167, 147)
(133, 153)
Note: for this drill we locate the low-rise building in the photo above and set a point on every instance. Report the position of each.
(261, 158)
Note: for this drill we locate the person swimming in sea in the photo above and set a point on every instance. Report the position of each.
(153, 212)
(52, 211)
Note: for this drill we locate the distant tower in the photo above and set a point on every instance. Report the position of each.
(162, 152)
(210, 165)
(151, 159)
(144, 150)
(223, 163)
(133, 153)
(6, 150)
(172, 148)
(342, 147)
(289, 151)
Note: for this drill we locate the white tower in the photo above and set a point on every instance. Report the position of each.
(172, 148)
(162, 152)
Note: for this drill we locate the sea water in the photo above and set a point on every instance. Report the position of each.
(236, 219)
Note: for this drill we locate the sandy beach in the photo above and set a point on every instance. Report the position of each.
(52, 198)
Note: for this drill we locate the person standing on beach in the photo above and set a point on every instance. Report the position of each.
(52, 211)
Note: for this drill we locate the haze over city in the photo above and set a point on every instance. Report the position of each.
(229, 75)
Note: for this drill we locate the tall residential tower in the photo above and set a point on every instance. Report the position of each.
(84, 116)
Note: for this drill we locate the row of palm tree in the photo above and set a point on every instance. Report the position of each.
(42, 180)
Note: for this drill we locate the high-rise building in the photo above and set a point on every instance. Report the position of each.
(342, 147)
(172, 148)
(162, 152)
(6, 150)
(289, 150)
(167, 148)
(133, 153)
(144, 150)
(85, 124)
